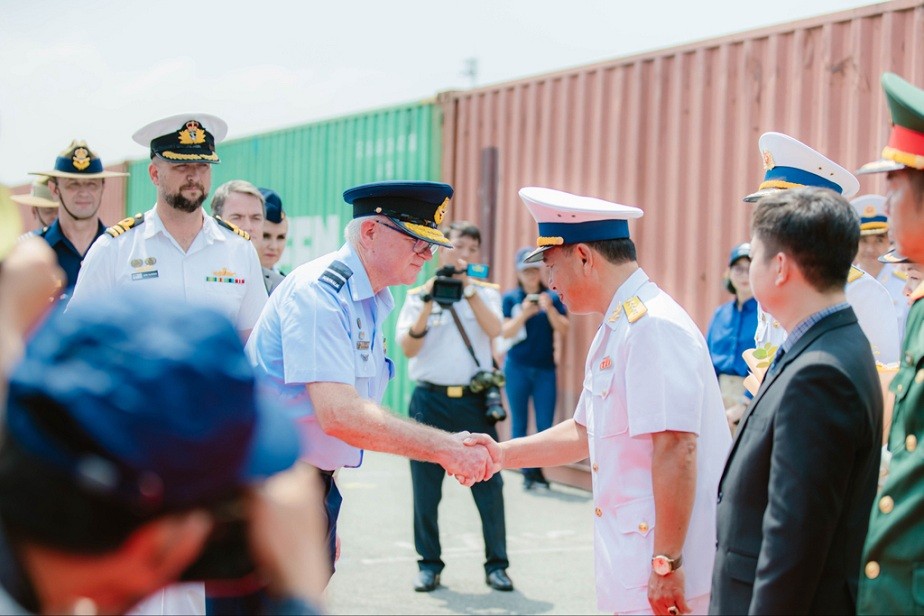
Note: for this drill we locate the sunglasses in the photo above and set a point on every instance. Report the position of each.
(420, 246)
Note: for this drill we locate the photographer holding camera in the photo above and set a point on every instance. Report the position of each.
(446, 327)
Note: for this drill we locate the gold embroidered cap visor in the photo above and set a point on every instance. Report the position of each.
(416, 208)
(39, 195)
(871, 210)
(184, 138)
(565, 219)
(78, 162)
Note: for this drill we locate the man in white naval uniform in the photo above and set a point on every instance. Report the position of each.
(875, 242)
(650, 416)
(174, 249)
(789, 163)
(179, 254)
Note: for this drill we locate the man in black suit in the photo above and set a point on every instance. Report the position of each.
(795, 495)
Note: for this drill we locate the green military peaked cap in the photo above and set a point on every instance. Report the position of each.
(906, 141)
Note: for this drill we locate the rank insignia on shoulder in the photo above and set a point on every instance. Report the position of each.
(232, 227)
(635, 309)
(614, 316)
(855, 274)
(336, 275)
(124, 225)
(900, 275)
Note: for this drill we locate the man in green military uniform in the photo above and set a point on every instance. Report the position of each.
(892, 579)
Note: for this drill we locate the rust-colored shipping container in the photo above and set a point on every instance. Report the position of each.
(111, 210)
(675, 132)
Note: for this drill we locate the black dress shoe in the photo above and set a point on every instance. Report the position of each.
(498, 580)
(427, 581)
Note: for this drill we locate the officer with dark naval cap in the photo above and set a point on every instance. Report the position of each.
(77, 182)
(174, 249)
(320, 342)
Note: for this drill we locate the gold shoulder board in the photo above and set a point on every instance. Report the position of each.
(635, 309)
(900, 274)
(232, 227)
(124, 225)
(855, 273)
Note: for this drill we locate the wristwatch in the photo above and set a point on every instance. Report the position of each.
(468, 291)
(663, 565)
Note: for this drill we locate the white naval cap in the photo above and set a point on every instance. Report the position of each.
(871, 209)
(184, 138)
(789, 163)
(564, 218)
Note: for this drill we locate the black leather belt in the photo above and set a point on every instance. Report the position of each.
(450, 391)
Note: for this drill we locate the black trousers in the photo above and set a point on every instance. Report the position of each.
(436, 409)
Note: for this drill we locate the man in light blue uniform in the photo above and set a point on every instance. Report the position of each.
(320, 346)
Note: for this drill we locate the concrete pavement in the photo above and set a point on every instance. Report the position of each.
(549, 543)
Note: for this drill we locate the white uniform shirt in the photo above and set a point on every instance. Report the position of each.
(894, 281)
(872, 304)
(443, 358)
(323, 325)
(221, 269)
(641, 378)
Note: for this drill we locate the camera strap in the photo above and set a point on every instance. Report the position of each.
(465, 338)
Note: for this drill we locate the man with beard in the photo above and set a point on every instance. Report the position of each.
(174, 249)
(77, 182)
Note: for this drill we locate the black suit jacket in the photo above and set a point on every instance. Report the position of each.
(795, 496)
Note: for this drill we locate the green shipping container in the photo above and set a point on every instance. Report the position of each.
(310, 166)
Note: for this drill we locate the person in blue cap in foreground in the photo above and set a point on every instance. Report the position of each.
(136, 453)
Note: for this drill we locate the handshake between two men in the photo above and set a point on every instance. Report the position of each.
(482, 460)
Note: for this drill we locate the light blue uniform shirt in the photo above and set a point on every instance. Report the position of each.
(311, 331)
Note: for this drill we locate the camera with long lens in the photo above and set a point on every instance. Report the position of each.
(490, 382)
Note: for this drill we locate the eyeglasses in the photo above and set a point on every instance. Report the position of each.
(420, 246)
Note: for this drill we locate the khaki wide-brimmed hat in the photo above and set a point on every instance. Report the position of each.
(39, 195)
(79, 162)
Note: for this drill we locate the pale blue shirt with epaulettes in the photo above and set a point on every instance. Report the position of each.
(321, 325)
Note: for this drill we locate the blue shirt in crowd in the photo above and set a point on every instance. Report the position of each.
(69, 258)
(730, 334)
(537, 350)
